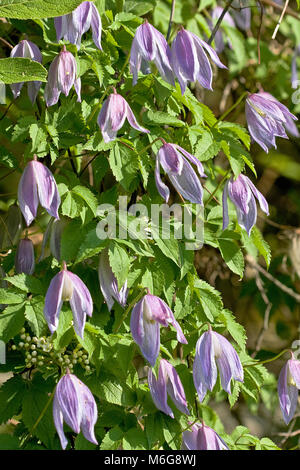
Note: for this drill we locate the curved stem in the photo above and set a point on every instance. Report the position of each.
(267, 360)
(218, 24)
(217, 188)
(231, 108)
(171, 19)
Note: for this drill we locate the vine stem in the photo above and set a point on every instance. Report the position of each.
(135, 300)
(267, 360)
(217, 188)
(231, 108)
(171, 19)
(218, 23)
(280, 19)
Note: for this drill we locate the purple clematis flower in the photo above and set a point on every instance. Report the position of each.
(24, 260)
(174, 160)
(29, 50)
(213, 353)
(61, 77)
(202, 437)
(288, 386)
(147, 316)
(74, 403)
(266, 118)
(68, 286)
(242, 18)
(37, 184)
(71, 27)
(108, 283)
(220, 38)
(242, 193)
(168, 383)
(190, 62)
(114, 111)
(149, 45)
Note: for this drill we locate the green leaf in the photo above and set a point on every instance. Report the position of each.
(87, 196)
(34, 314)
(17, 69)
(27, 283)
(135, 439)
(236, 330)
(11, 395)
(32, 9)
(109, 388)
(262, 246)
(119, 262)
(11, 322)
(159, 117)
(232, 255)
(112, 439)
(10, 298)
(209, 298)
(124, 165)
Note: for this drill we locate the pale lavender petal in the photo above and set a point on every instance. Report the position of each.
(192, 159)
(187, 183)
(24, 260)
(212, 52)
(59, 422)
(47, 188)
(68, 396)
(161, 187)
(229, 363)
(158, 390)
(52, 92)
(90, 413)
(27, 194)
(225, 206)
(96, 25)
(53, 301)
(66, 72)
(135, 60)
(208, 439)
(261, 199)
(174, 386)
(205, 354)
(190, 438)
(239, 193)
(16, 89)
(170, 159)
(247, 221)
(145, 39)
(287, 394)
(133, 122)
(294, 366)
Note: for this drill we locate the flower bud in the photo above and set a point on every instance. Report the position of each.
(24, 260)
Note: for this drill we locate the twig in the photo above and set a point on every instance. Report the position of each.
(86, 166)
(275, 281)
(6, 43)
(265, 327)
(280, 19)
(218, 23)
(171, 19)
(259, 30)
(217, 188)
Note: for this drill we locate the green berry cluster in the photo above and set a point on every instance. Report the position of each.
(40, 353)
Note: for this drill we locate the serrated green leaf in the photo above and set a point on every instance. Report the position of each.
(17, 69)
(32, 9)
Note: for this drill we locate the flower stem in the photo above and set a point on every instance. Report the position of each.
(267, 360)
(171, 19)
(231, 108)
(217, 188)
(218, 24)
(135, 300)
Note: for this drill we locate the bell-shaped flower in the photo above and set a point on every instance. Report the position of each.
(37, 185)
(214, 353)
(29, 50)
(168, 383)
(111, 118)
(242, 17)
(66, 286)
(24, 259)
(221, 38)
(74, 403)
(288, 386)
(242, 193)
(61, 77)
(294, 77)
(149, 45)
(190, 62)
(202, 437)
(71, 27)
(174, 160)
(109, 284)
(147, 316)
(266, 119)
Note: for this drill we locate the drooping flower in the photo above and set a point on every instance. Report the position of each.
(190, 62)
(29, 50)
(71, 27)
(242, 18)
(74, 403)
(202, 437)
(288, 386)
(37, 185)
(242, 193)
(214, 353)
(111, 118)
(67, 286)
(221, 38)
(24, 260)
(168, 383)
(61, 77)
(147, 316)
(295, 81)
(266, 118)
(109, 284)
(149, 45)
(174, 160)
